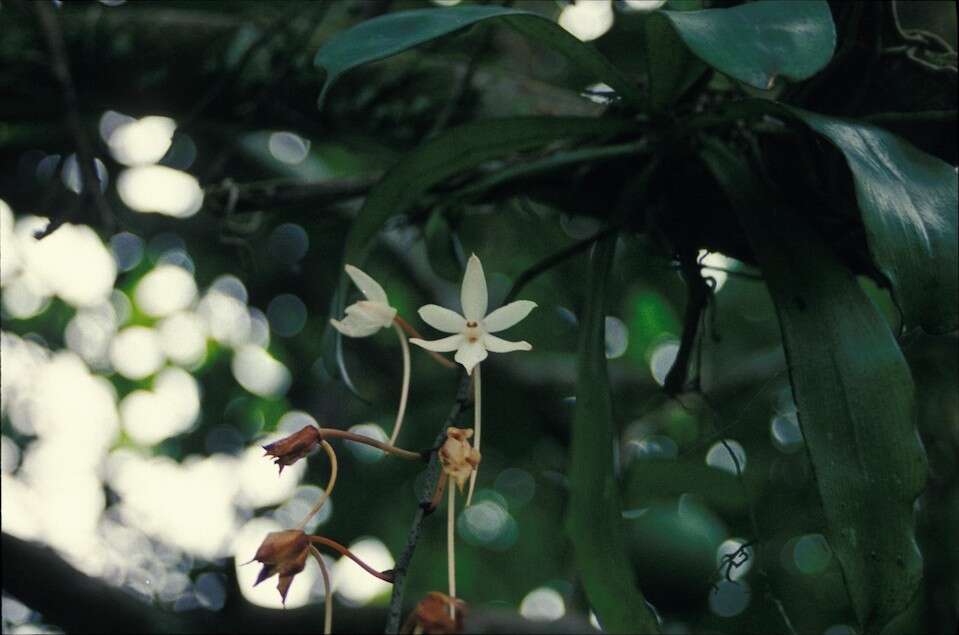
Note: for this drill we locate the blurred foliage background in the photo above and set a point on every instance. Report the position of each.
(146, 356)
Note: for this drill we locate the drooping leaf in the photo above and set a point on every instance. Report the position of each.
(594, 521)
(854, 394)
(908, 200)
(758, 42)
(394, 33)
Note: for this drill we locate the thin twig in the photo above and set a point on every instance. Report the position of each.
(53, 34)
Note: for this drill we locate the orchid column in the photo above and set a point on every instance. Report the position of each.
(472, 337)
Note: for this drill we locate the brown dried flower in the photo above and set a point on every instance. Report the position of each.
(432, 615)
(291, 449)
(457, 456)
(285, 553)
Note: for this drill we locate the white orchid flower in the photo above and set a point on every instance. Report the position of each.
(365, 317)
(473, 337)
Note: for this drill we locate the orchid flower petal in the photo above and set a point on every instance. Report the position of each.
(473, 295)
(469, 354)
(497, 345)
(444, 345)
(353, 326)
(442, 319)
(507, 316)
(370, 287)
(380, 314)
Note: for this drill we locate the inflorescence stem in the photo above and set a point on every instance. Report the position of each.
(404, 391)
(477, 421)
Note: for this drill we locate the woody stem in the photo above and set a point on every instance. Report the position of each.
(477, 421)
(385, 577)
(404, 391)
(450, 550)
(359, 438)
(329, 486)
(412, 332)
(328, 607)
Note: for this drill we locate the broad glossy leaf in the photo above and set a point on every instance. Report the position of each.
(855, 397)
(394, 33)
(909, 201)
(594, 520)
(758, 42)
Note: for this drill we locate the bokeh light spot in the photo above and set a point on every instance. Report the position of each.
(543, 605)
(719, 457)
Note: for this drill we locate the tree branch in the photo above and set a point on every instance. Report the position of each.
(285, 192)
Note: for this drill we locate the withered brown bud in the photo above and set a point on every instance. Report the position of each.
(283, 553)
(457, 456)
(432, 615)
(291, 449)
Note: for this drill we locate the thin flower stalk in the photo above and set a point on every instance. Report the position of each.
(450, 547)
(329, 486)
(373, 443)
(477, 425)
(405, 390)
(328, 592)
(385, 576)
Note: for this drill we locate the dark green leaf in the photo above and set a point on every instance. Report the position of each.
(394, 33)
(854, 393)
(441, 248)
(759, 41)
(594, 521)
(909, 202)
(672, 67)
(650, 480)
